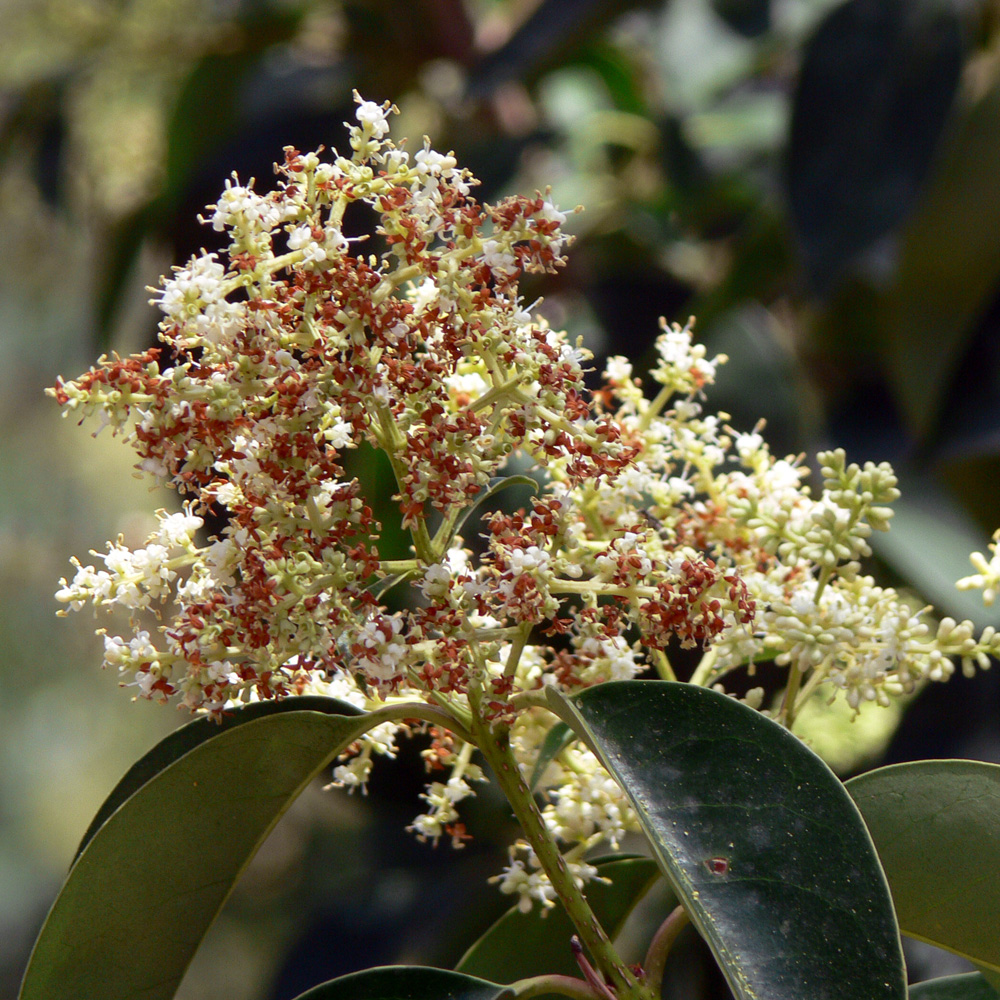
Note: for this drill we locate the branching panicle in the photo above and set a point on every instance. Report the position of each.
(655, 524)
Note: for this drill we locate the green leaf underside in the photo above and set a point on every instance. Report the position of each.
(936, 825)
(150, 881)
(757, 836)
(186, 738)
(970, 986)
(556, 740)
(401, 982)
(500, 954)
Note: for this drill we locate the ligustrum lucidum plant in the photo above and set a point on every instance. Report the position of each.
(534, 647)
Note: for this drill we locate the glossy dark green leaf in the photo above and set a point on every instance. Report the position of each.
(858, 152)
(402, 982)
(556, 740)
(501, 954)
(936, 825)
(759, 839)
(970, 986)
(185, 739)
(149, 882)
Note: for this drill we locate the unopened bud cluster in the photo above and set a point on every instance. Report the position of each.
(654, 525)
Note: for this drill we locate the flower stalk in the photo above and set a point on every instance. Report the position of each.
(494, 743)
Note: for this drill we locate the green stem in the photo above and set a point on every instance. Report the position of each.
(808, 689)
(394, 444)
(663, 668)
(654, 408)
(421, 710)
(516, 649)
(498, 392)
(494, 743)
(787, 714)
(703, 672)
(394, 566)
(659, 947)
(825, 575)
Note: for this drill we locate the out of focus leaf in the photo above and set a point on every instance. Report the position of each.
(935, 826)
(556, 740)
(748, 17)
(991, 976)
(859, 150)
(552, 28)
(969, 425)
(949, 265)
(37, 114)
(207, 111)
(619, 74)
(928, 544)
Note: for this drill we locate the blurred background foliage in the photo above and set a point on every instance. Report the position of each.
(817, 181)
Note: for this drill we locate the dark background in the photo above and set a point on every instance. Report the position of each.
(818, 182)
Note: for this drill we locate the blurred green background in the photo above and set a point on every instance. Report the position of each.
(817, 181)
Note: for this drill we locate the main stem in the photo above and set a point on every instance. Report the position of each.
(495, 746)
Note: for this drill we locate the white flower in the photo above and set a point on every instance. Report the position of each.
(178, 530)
(380, 648)
(618, 369)
(528, 560)
(373, 118)
(527, 885)
(339, 433)
(550, 213)
(433, 164)
(499, 260)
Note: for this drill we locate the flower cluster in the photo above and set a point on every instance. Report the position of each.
(653, 525)
(987, 575)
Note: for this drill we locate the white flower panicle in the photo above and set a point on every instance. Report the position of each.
(654, 524)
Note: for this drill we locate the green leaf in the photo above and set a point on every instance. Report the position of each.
(556, 740)
(500, 953)
(185, 739)
(970, 986)
(402, 982)
(151, 879)
(759, 839)
(949, 263)
(552, 28)
(936, 825)
(858, 156)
